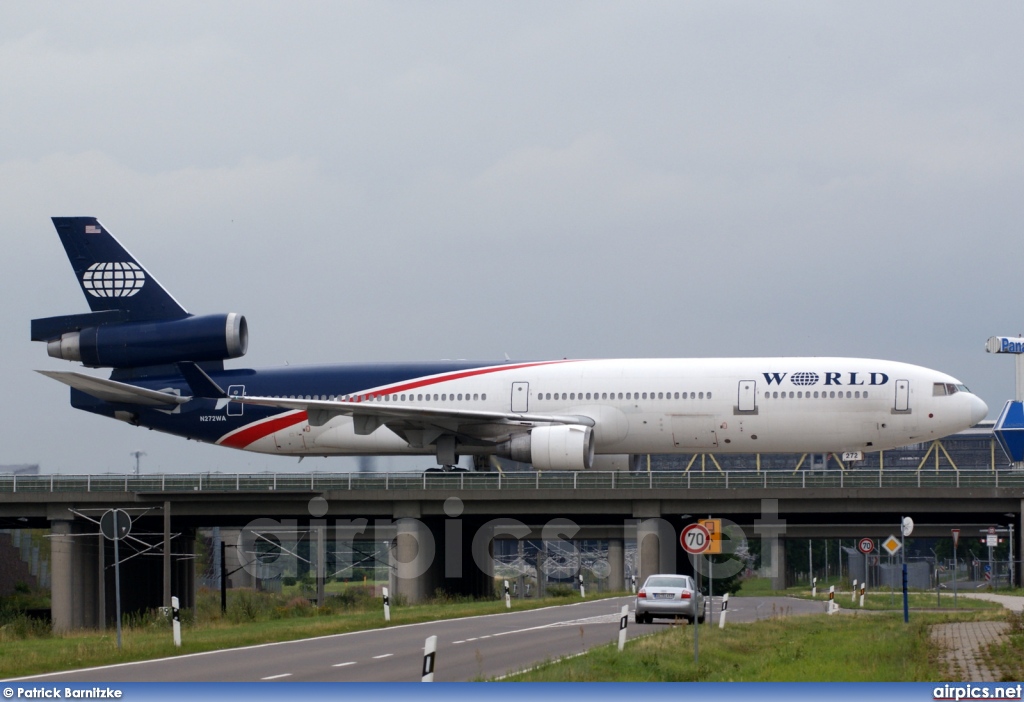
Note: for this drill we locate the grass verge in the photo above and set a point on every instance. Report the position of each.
(151, 638)
(1007, 655)
(807, 649)
(873, 599)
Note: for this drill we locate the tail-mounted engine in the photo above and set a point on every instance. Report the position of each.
(137, 344)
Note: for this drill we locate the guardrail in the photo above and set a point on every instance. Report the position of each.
(548, 480)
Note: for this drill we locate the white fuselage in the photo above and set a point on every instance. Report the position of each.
(713, 405)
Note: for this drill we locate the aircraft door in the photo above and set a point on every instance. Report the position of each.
(520, 397)
(902, 396)
(235, 408)
(747, 396)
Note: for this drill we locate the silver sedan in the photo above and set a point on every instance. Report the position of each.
(669, 595)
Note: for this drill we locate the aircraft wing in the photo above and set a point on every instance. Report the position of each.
(113, 391)
(418, 424)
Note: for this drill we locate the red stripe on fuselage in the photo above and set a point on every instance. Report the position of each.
(255, 432)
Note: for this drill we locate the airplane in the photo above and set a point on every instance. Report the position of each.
(168, 374)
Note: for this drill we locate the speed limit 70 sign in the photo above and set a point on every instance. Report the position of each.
(694, 538)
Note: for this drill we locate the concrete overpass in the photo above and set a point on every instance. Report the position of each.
(441, 525)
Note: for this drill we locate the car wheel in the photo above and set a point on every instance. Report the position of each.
(700, 620)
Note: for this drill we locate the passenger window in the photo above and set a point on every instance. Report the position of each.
(484, 396)
(645, 395)
(572, 396)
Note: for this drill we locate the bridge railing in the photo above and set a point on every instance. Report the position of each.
(542, 480)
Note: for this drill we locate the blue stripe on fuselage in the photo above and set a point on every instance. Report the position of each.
(188, 420)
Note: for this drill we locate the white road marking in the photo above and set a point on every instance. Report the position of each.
(275, 677)
(179, 658)
(384, 655)
(342, 665)
(458, 642)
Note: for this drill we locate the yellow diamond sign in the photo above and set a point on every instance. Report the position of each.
(892, 545)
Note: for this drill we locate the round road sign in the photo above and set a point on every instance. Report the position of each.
(115, 524)
(865, 545)
(694, 538)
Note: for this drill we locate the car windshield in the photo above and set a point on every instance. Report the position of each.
(668, 581)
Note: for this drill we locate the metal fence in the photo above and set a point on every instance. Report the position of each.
(539, 480)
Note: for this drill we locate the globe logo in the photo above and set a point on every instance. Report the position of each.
(115, 279)
(804, 378)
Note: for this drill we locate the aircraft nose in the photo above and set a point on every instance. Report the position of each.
(979, 410)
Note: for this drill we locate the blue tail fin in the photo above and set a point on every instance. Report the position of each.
(111, 278)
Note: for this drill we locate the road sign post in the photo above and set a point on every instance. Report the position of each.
(115, 524)
(695, 539)
(906, 528)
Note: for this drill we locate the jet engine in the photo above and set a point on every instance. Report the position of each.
(560, 447)
(135, 344)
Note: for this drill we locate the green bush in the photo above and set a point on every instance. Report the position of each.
(557, 590)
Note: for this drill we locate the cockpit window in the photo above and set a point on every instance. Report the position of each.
(962, 388)
(939, 389)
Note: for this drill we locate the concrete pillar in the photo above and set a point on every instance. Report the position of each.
(62, 583)
(648, 546)
(414, 554)
(777, 556)
(85, 593)
(321, 562)
(616, 560)
(542, 580)
(101, 582)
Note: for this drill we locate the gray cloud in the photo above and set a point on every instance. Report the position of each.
(390, 181)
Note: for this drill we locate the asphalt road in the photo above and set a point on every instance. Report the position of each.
(467, 649)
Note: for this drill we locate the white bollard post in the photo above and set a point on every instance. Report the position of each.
(429, 655)
(814, 587)
(853, 596)
(632, 583)
(508, 597)
(862, 585)
(176, 621)
(725, 607)
(623, 620)
(583, 593)
(387, 606)
(831, 598)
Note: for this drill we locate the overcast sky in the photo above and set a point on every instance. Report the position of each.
(418, 181)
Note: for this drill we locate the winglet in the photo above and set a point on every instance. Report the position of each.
(199, 382)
